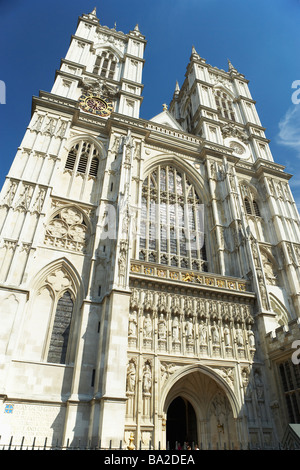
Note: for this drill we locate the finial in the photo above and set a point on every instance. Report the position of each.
(94, 12)
(231, 67)
(195, 53)
(165, 107)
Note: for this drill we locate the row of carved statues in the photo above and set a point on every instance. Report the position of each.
(161, 302)
(204, 321)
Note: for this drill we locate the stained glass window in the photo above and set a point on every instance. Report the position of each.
(172, 220)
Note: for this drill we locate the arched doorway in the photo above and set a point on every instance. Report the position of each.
(181, 423)
(200, 407)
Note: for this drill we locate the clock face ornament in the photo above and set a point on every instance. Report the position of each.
(99, 105)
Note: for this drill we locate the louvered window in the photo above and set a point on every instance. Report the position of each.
(251, 207)
(105, 65)
(71, 159)
(84, 158)
(224, 105)
(94, 166)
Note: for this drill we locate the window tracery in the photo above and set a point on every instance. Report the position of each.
(224, 105)
(251, 205)
(67, 230)
(105, 65)
(83, 158)
(171, 228)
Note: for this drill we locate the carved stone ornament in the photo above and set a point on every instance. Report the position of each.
(99, 87)
(67, 230)
(59, 280)
(230, 130)
(237, 148)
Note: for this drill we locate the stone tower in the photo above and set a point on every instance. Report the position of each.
(149, 270)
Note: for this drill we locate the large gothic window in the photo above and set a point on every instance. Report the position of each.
(171, 228)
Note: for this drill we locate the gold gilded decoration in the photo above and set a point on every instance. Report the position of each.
(231, 285)
(161, 273)
(148, 271)
(174, 275)
(189, 277)
(135, 268)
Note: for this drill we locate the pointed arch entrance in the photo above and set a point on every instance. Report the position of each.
(200, 407)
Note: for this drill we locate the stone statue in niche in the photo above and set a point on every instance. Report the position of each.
(122, 262)
(162, 328)
(147, 326)
(215, 333)
(227, 340)
(147, 378)
(189, 329)
(132, 329)
(202, 332)
(131, 377)
(258, 385)
(175, 329)
(239, 336)
(251, 337)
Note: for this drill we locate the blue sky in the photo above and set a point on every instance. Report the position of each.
(260, 37)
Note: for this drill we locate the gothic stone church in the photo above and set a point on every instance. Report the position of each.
(150, 269)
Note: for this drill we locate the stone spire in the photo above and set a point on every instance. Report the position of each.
(231, 67)
(195, 54)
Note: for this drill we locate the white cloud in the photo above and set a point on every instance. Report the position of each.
(289, 136)
(289, 129)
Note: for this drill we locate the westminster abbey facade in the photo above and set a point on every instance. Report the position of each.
(149, 269)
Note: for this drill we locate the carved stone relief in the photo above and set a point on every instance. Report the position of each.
(67, 230)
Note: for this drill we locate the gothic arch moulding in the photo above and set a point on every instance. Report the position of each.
(282, 315)
(172, 208)
(81, 153)
(87, 138)
(51, 284)
(169, 391)
(110, 48)
(249, 189)
(173, 160)
(222, 88)
(59, 276)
